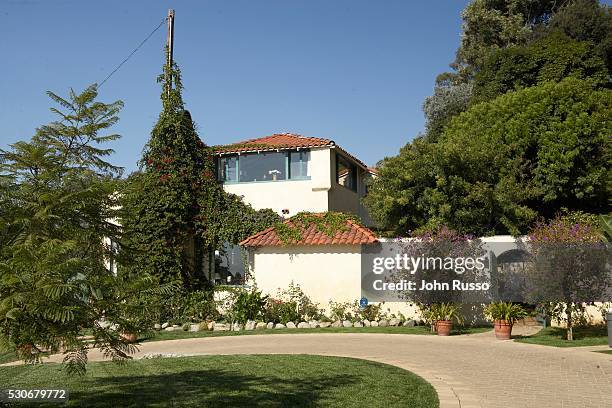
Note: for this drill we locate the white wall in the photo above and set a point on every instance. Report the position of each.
(326, 272)
(329, 272)
(293, 195)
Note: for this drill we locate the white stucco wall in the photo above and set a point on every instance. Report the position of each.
(331, 272)
(323, 272)
(293, 195)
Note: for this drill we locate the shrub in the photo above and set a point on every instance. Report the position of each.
(248, 305)
(371, 312)
(443, 311)
(342, 310)
(306, 308)
(507, 311)
(279, 311)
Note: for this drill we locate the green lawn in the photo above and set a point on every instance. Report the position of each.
(7, 357)
(180, 334)
(232, 381)
(555, 336)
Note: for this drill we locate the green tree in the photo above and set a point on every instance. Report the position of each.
(503, 164)
(175, 212)
(58, 202)
(489, 25)
(586, 20)
(551, 58)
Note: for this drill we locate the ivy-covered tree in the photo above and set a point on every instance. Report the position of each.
(175, 212)
(58, 202)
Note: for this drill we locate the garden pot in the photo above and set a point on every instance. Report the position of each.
(129, 337)
(444, 327)
(503, 329)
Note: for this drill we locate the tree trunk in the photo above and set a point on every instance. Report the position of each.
(570, 330)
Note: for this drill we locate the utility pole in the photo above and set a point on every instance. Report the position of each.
(170, 47)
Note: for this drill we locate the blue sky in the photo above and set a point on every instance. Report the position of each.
(354, 71)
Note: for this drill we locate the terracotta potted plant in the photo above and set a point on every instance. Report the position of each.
(443, 315)
(504, 315)
(129, 337)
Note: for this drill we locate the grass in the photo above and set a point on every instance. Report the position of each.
(248, 380)
(604, 351)
(7, 357)
(423, 330)
(555, 336)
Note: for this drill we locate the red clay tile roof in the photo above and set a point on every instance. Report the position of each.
(281, 141)
(354, 234)
(273, 142)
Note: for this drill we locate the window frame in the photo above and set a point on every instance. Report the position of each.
(352, 172)
(288, 175)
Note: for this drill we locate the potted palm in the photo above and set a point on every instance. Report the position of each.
(504, 315)
(443, 315)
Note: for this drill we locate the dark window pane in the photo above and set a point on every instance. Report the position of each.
(346, 173)
(262, 167)
(227, 168)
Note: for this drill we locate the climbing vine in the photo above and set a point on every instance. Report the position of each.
(329, 223)
(175, 213)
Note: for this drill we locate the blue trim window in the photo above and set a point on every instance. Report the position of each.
(228, 169)
(265, 166)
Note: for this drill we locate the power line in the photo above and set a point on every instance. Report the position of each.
(132, 53)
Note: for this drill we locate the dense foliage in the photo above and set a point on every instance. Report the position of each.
(175, 212)
(58, 196)
(516, 133)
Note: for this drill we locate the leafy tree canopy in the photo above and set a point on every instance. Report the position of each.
(551, 58)
(503, 164)
(58, 203)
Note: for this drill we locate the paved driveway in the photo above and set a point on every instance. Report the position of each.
(467, 371)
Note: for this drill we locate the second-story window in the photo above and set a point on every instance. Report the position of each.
(298, 164)
(265, 166)
(269, 166)
(228, 169)
(346, 173)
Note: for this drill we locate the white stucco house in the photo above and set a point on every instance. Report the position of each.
(290, 173)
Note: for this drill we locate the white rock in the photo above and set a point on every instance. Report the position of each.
(163, 326)
(366, 323)
(237, 327)
(169, 328)
(357, 324)
(394, 322)
(291, 325)
(176, 326)
(347, 323)
(337, 323)
(260, 325)
(409, 323)
(194, 327)
(250, 325)
(210, 325)
(280, 326)
(313, 324)
(374, 323)
(303, 325)
(157, 326)
(270, 325)
(220, 327)
(324, 324)
(383, 323)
